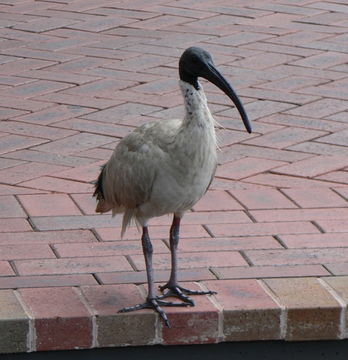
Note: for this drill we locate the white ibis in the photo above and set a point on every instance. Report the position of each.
(165, 167)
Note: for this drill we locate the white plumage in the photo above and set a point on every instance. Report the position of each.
(166, 167)
(162, 167)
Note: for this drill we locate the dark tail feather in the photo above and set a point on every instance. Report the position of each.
(98, 192)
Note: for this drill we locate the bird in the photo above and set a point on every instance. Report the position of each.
(165, 167)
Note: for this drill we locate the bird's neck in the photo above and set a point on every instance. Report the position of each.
(197, 111)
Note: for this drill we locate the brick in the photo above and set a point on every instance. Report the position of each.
(13, 80)
(54, 114)
(192, 327)
(49, 205)
(13, 190)
(21, 65)
(299, 214)
(213, 217)
(36, 88)
(282, 49)
(315, 240)
(338, 268)
(76, 100)
(106, 248)
(44, 24)
(11, 282)
(61, 319)
(123, 111)
(14, 325)
(217, 200)
(305, 122)
(323, 61)
(8, 163)
(298, 38)
(158, 87)
(139, 277)
(277, 96)
(228, 244)
(339, 286)
(78, 142)
(326, 18)
(6, 269)
(114, 329)
(343, 192)
(292, 83)
(319, 148)
(6, 114)
(291, 70)
(241, 38)
(42, 237)
(283, 181)
(338, 138)
(320, 108)
(246, 167)
(315, 198)
(328, 6)
(58, 185)
(119, 74)
(258, 109)
(44, 132)
(9, 207)
(265, 60)
(335, 226)
(245, 303)
(297, 256)
(100, 88)
(96, 154)
(337, 176)
(25, 251)
(75, 66)
(66, 77)
(267, 153)
(228, 137)
(257, 229)
(273, 20)
(15, 224)
(269, 271)
(16, 142)
(72, 266)
(42, 157)
(192, 260)
(85, 202)
(85, 173)
(326, 91)
(27, 172)
(156, 232)
(140, 63)
(284, 138)
(95, 127)
(313, 316)
(102, 24)
(263, 199)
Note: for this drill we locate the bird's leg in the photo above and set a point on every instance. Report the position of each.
(172, 286)
(152, 301)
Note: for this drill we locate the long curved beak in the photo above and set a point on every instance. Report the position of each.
(215, 77)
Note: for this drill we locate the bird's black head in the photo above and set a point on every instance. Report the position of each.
(196, 62)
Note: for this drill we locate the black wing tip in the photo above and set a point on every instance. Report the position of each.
(98, 185)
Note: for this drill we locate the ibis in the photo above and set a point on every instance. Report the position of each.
(165, 167)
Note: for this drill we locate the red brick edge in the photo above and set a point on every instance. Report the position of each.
(61, 318)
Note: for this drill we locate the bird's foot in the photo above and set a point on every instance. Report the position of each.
(182, 293)
(155, 304)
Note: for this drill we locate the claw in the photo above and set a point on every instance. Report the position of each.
(181, 293)
(154, 304)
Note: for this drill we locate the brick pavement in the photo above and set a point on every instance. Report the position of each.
(271, 236)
